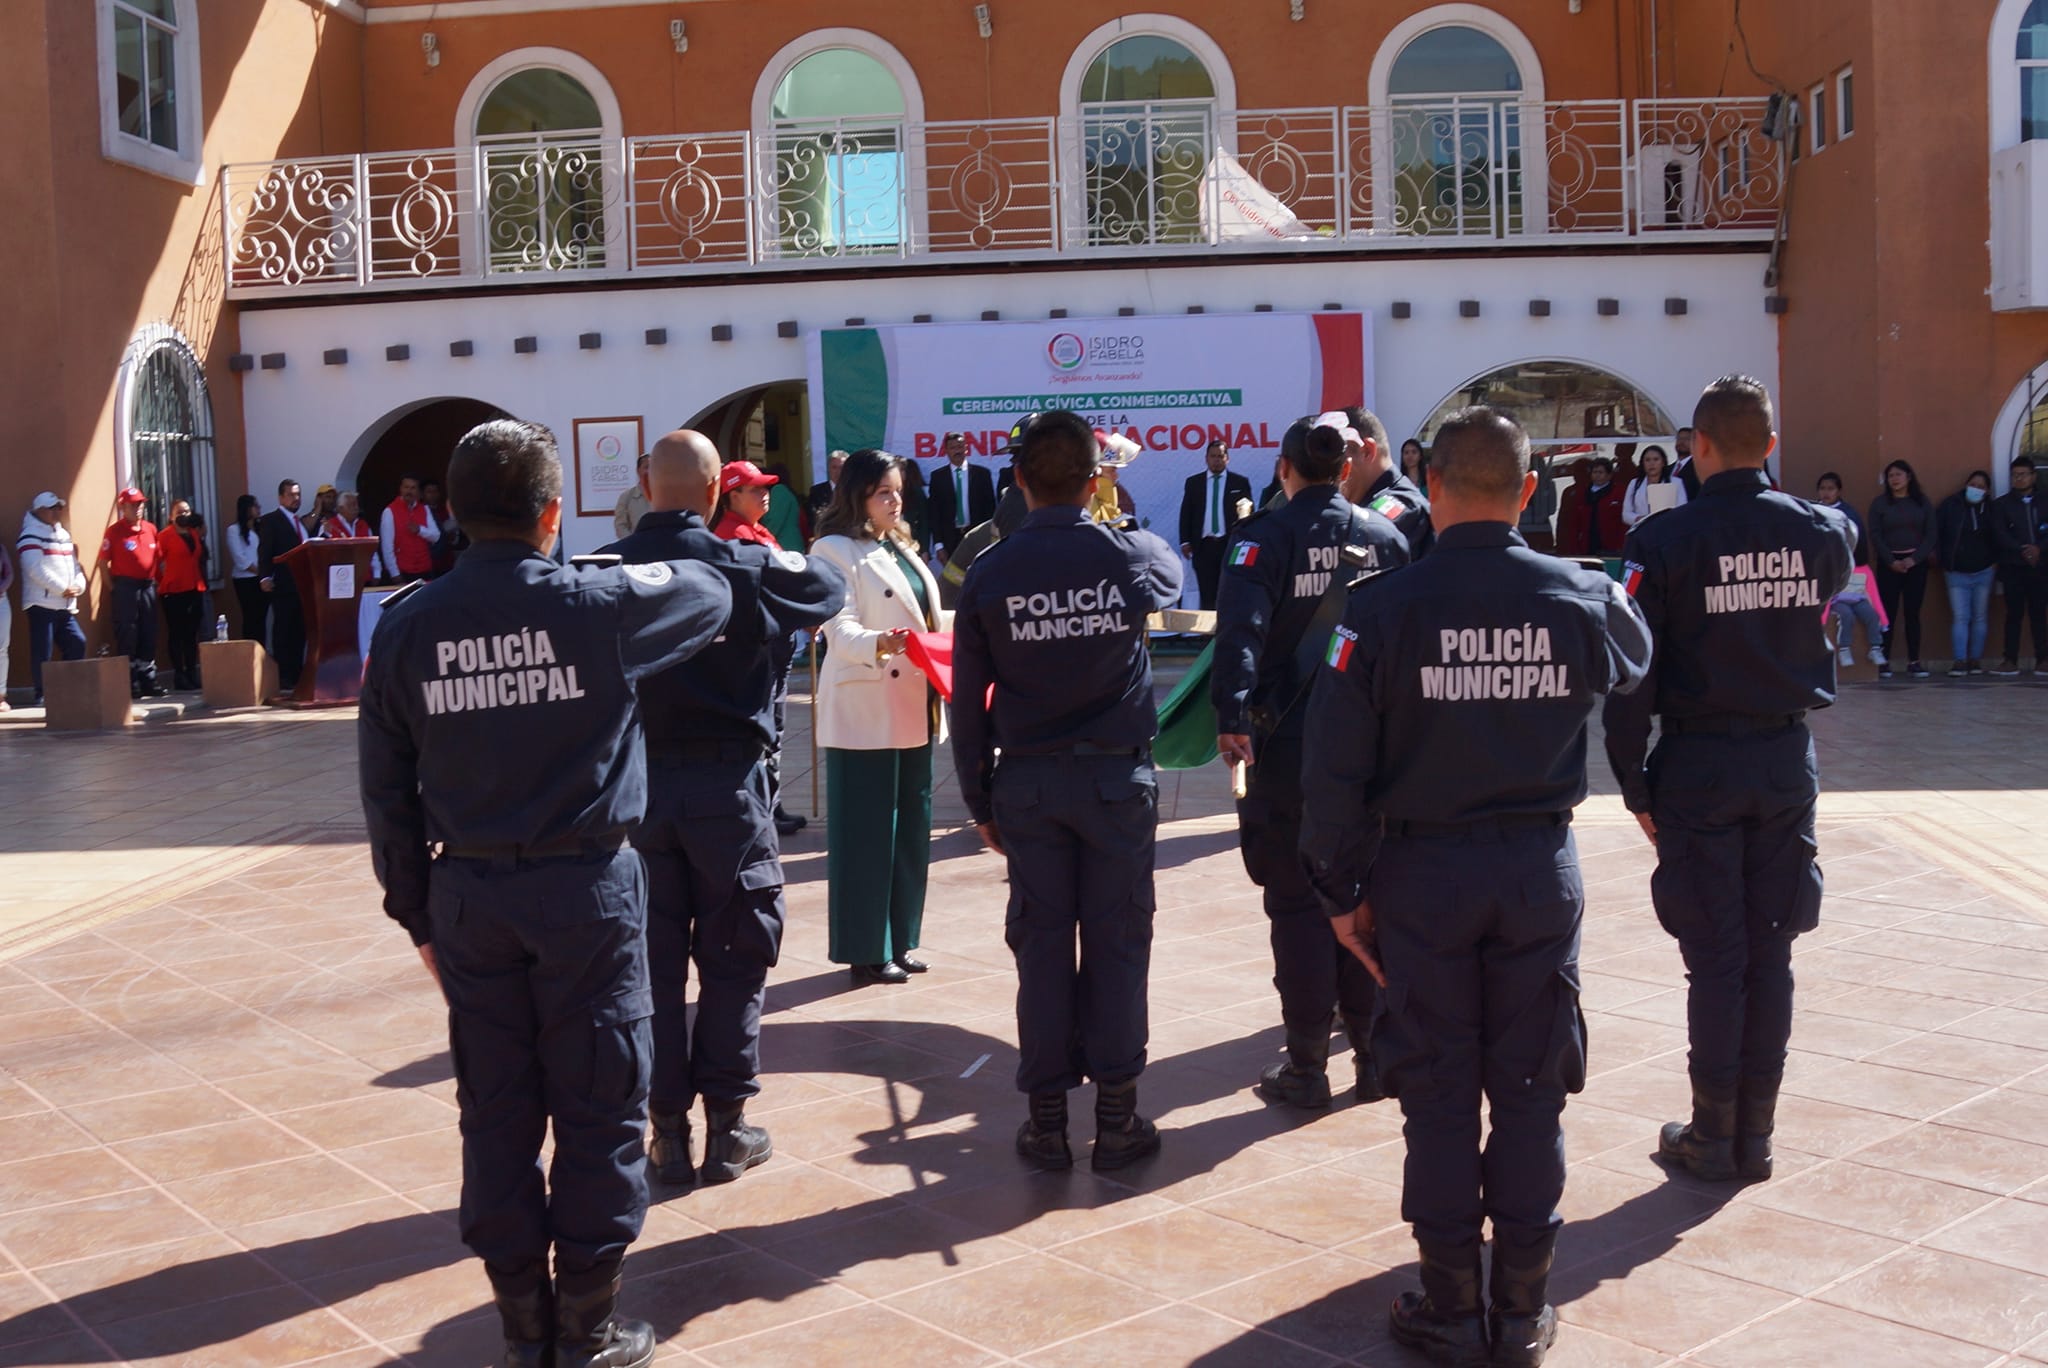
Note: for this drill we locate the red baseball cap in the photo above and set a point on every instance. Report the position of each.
(737, 473)
(131, 495)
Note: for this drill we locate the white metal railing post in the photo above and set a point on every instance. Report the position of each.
(1631, 145)
(365, 221)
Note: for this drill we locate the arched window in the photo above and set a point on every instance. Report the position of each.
(2030, 50)
(841, 184)
(2022, 427)
(1148, 127)
(164, 429)
(1457, 135)
(546, 132)
(1572, 412)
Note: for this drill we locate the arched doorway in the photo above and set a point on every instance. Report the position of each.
(769, 425)
(841, 182)
(1573, 411)
(545, 125)
(415, 440)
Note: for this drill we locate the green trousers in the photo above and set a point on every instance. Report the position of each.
(878, 813)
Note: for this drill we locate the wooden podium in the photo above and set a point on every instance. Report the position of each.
(330, 575)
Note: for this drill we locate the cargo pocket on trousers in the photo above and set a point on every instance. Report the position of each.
(1807, 888)
(1673, 885)
(756, 933)
(621, 1050)
(1399, 1047)
(1564, 1055)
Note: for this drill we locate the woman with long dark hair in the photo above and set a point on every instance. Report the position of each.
(876, 716)
(1656, 467)
(249, 593)
(1415, 463)
(1901, 533)
(1969, 560)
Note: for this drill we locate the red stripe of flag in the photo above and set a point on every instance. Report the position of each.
(1342, 338)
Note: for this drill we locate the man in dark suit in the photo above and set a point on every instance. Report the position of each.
(277, 532)
(1208, 510)
(820, 497)
(960, 496)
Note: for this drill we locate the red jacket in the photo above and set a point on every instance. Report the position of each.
(414, 553)
(1574, 528)
(130, 550)
(182, 567)
(732, 527)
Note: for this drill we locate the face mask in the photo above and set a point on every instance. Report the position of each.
(1973, 494)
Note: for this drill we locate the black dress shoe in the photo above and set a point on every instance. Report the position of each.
(911, 966)
(890, 972)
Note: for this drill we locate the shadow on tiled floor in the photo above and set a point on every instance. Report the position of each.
(227, 1123)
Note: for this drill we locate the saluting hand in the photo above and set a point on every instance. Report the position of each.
(1354, 931)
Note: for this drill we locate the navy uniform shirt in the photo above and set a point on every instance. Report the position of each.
(1053, 616)
(725, 692)
(1275, 573)
(1456, 690)
(497, 706)
(1394, 495)
(1733, 583)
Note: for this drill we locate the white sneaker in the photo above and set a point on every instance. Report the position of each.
(1848, 656)
(1877, 657)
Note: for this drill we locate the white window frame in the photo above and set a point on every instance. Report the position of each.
(186, 165)
(912, 229)
(2004, 71)
(150, 339)
(1845, 103)
(1817, 119)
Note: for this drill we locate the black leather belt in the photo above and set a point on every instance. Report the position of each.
(1510, 821)
(705, 752)
(1088, 748)
(558, 850)
(1731, 724)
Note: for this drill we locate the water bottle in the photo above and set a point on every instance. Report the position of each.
(220, 628)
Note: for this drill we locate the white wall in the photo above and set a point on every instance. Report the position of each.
(310, 408)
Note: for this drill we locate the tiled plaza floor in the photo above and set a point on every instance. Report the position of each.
(227, 1131)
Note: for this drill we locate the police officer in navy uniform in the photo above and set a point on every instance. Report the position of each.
(1285, 579)
(1450, 749)
(1376, 482)
(1733, 583)
(1057, 773)
(710, 842)
(498, 723)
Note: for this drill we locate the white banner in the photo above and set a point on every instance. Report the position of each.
(1172, 384)
(1236, 208)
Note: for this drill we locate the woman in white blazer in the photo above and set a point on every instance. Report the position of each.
(877, 716)
(1656, 468)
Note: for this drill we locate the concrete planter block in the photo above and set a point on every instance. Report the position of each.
(87, 695)
(236, 674)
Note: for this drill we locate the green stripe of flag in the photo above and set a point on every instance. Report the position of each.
(855, 375)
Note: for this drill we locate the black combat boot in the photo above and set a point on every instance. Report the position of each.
(1706, 1148)
(1042, 1139)
(589, 1333)
(1444, 1320)
(731, 1146)
(669, 1153)
(1756, 1116)
(526, 1304)
(1304, 1080)
(1368, 1089)
(1522, 1323)
(1121, 1135)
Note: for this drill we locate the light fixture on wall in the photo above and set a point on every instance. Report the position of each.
(982, 23)
(431, 45)
(679, 35)
(1576, 5)
(1297, 10)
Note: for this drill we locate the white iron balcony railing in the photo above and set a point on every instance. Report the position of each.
(1159, 178)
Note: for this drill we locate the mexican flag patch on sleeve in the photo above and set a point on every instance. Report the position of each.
(1631, 576)
(1245, 554)
(1387, 506)
(1338, 657)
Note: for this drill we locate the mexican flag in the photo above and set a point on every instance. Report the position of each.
(1187, 720)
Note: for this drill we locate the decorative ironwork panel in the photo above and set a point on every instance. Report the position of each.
(416, 203)
(692, 200)
(1144, 174)
(1706, 165)
(1294, 157)
(1585, 146)
(989, 185)
(1456, 167)
(836, 188)
(547, 203)
(293, 223)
